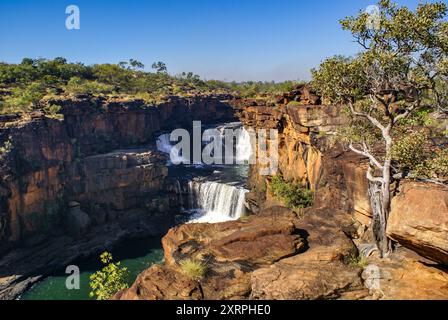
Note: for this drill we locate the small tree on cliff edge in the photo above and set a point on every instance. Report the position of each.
(402, 69)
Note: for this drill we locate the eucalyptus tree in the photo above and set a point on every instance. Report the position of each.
(402, 67)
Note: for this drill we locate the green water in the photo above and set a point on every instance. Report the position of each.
(136, 255)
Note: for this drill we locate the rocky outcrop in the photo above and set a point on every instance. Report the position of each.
(317, 273)
(162, 283)
(53, 162)
(419, 219)
(299, 157)
(96, 171)
(405, 276)
(258, 257)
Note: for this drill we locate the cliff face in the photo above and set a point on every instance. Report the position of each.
(53, 163)
(299, 127)
(277, 254)
(338, 177)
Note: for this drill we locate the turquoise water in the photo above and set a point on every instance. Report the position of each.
(136, 255)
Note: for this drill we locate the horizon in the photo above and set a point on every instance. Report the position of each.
(274, 41)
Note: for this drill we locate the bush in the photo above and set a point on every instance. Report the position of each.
(294, 104)
(293, 195)
(411, 150)
(109, 280)
(356, 261)
(77, 86)
(439, 164)
(24, 99)
(414, 154)
(5, 149)
(193, 269)
(52, 111)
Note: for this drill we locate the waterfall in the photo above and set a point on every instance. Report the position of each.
(243, 146)
(216, 202)
(219, 196)
(165, 145)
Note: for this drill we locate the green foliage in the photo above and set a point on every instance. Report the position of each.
(24, 99)
(79, 86)
(435, 166)
(109, 280)
(293, 195)
(294, 104)
(52, 111)
(398, 79)
(27, 83)
(356, 261)
(411, 150)
(5, 148)
(160, 67)
(413, 153)
(193, 269)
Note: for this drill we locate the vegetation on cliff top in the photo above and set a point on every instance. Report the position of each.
(400, 75)
(24, 85)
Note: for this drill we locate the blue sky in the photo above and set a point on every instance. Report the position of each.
(217, 39)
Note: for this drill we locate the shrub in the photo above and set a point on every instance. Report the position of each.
(439, 164)
(193, 269)
(24, 99)
(356, 260)
(5, 149)
(411, 150)
(77, 85)
(52, 111)
(293, 195)
(109, 280)
(294, 104)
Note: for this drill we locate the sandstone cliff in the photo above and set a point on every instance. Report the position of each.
(277, 254)
(95, 172)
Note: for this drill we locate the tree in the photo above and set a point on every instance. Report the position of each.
(109, 280)
(136, 65)
(401, 69)
(160, 67)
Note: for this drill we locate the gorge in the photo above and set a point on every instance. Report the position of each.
(71, 189)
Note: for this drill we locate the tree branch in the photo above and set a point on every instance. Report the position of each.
(374, 121)
(368, 155)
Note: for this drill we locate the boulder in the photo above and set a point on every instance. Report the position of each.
(231, 250)
(159, 283)
(317, 273)
(419, 220)
(406, 276)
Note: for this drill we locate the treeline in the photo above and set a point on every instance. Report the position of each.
(24, 85)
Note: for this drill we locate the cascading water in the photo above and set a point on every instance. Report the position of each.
(220, 195)
(243, 146)
(216, 202)
(166, 146)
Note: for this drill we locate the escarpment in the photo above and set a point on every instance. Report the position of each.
(320, 252)
(70, 188)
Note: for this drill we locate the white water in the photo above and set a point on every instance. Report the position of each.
(216, 202)
(165, 145)
(243, 146)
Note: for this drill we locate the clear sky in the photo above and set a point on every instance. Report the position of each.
(217, 39)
